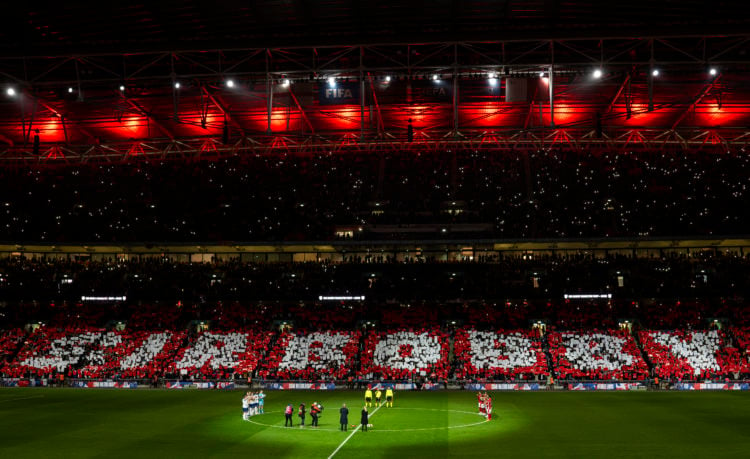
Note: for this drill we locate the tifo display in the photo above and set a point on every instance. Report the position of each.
(384, 355)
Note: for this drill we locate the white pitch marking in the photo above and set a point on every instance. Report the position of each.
(21, 398)
(438, 409)
(433, 428)
(311, 429)
(391, 430)
(353, 432)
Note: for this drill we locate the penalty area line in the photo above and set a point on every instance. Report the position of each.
(351, 434)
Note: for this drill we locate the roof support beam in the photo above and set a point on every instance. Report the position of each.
(612, 103)
(219, 102)
(381, 126)
(704, 92)
(137, 107)
(527, 122)
(7, 140)
(301, 110)
(57, 113)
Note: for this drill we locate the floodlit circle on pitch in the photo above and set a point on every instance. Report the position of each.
(387, 420)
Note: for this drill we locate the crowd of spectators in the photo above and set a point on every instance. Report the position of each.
(742, 336)
(435, 353)
(687, 354)
(404, 354)
(93, 353)
(597, 355)
(550, 193)
(54, 350)
(9, 341)
(309, 316)
(703, 274)
(218, 354)
(512, 354)
(330, 354)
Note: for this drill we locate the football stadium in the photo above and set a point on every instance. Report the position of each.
(355, 229)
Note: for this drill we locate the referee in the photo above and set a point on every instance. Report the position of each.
(368, 396)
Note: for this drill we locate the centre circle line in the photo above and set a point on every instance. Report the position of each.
(461, 426)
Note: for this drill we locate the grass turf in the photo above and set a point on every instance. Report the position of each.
(190, 423)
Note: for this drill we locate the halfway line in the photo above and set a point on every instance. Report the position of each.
(353, 432)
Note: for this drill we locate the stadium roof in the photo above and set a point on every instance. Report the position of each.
(76, 27)
(178, 76)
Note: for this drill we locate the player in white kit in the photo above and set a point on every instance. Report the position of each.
(253, 404)
(245, 407)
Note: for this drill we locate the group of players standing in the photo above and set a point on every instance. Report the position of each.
(484, 401)
(378, 395)
(252, 404)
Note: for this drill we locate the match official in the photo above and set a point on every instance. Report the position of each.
(389, 397)
(368, 396)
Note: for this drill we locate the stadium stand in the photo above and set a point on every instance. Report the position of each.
(9, 341)
(597, 355)
(511, 276)
(311, 356)
(315, 341)
(293, 198)
(684, 354)
(51, 350)
(499, 354)
(402, 354)
(220, 354)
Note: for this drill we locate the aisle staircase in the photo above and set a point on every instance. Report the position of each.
(11, 357)
(548, 355)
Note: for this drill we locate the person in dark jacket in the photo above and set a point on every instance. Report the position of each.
(344, 417)
(301, 414)
(364, 419)
(315, 410)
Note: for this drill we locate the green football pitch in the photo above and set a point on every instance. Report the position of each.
(190, 423)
